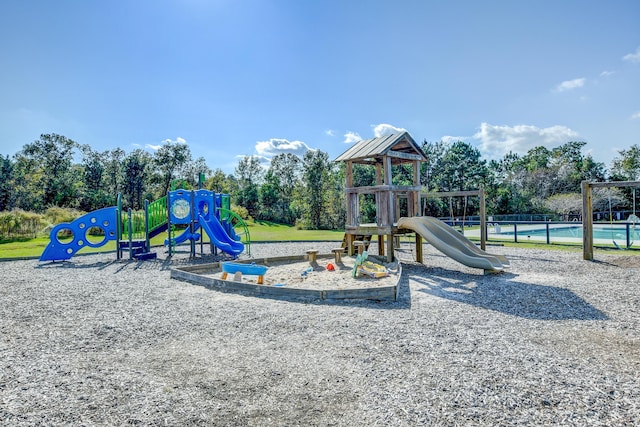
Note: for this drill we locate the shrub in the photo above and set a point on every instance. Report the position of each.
(20, 224)
(55, 215)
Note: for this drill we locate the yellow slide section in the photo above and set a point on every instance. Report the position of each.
(452, 243)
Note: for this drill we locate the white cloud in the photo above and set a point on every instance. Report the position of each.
(570, 84)
(636, 115)
(329, 132)
(276, 146)
(178, 140)
(385, 129)
(496, 141)
(607, 73)
(351, 137)
(453, 139)
(633, 57)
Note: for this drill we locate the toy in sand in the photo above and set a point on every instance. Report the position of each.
(368, 268)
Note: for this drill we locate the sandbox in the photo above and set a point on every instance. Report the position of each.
(297, 278)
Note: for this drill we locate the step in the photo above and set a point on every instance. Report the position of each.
(124, 244)
(145, 256)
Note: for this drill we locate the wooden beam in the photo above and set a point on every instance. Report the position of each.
(614, 184)
(375, 188)
(405, 156)
(455, 193)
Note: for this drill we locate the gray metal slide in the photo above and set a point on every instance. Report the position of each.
(452, 243)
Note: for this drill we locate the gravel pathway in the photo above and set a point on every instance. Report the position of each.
(554, 341)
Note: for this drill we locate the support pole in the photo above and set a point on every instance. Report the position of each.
(130, 225)
(587, 222)
(192, 228)
(147, 241)
(389, 247)
(119, 227)
(483, 220)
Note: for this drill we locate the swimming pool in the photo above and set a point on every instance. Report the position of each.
(603, 232)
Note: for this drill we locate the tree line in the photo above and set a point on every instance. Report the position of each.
(55, 171)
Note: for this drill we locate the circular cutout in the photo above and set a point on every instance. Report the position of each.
(95, 236)
(64, 235)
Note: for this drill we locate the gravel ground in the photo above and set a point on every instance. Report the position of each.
(554, 341)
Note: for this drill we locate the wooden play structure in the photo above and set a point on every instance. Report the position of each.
(587, 211)
(396, 202)
(382, 153)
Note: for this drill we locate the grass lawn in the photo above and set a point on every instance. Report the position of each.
(260, 231)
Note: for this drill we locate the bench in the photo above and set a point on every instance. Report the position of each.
(312, 254)
(337, 253)
(359, 245)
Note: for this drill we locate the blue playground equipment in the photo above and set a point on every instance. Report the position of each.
(203, 210)
(132, 231)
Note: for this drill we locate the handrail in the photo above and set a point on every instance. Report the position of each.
(227, 216)
(158, 213)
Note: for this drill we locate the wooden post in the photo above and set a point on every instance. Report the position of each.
(587, 222)
(418, 248)
(380, 244)
(416, 194)
(483, 221)
(389, 247)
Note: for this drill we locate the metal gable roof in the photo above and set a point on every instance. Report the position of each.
(377, 147)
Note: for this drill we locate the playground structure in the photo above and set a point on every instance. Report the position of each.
(398, 206)
(189, 213)
(587, 212)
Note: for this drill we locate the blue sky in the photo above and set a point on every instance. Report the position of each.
(261, 77)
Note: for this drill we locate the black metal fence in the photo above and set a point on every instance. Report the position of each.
(618, 234)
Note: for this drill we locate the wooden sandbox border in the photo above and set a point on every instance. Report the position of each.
(195, 274)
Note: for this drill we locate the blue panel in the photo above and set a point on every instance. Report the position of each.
(180, 206)
(104, 219)
(205, 204)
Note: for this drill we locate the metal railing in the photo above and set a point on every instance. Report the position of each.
(620, 233)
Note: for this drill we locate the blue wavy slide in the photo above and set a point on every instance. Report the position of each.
(219, 237)
(185, 235)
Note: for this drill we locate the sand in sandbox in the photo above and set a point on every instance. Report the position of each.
(317, 275)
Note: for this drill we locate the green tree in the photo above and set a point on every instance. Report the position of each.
(249, 174)
(285, 171)
(46, 168)
(93, 195)
(316, 169)
(269, 202)
(113, 177)
(626, 166)
(193, 169)
(168, 161)
(6, 183)
(219, 182)
(135, 170)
